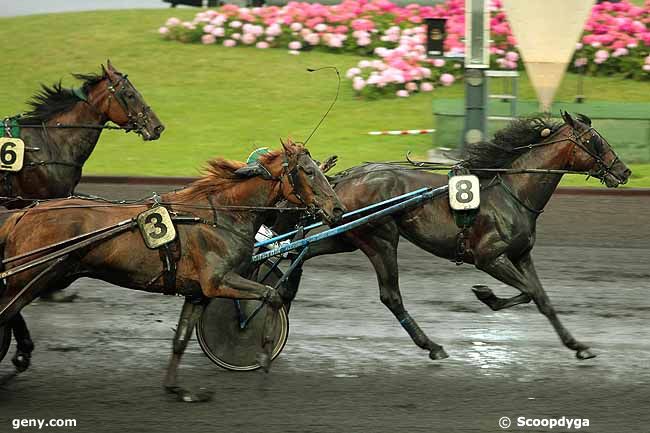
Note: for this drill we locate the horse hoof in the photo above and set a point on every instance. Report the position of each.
(438, 354)
(584, 354)
(482, 292)
(21, 361)
(59, 297)
(264, 360)
(201, 396)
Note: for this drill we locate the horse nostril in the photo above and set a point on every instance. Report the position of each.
(627, 173)
(338, 211)
(159, 129)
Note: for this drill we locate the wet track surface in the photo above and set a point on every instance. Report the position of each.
(348, 366)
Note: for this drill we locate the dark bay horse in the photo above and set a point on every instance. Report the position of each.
(503, 235)
(212, 254)
(63, 128)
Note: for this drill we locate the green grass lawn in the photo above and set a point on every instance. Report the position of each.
(217, 101)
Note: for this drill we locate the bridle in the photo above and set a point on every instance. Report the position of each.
(291, 177)
(599, 169)
(136, 120)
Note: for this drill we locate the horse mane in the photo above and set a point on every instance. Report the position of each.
(500, 152)
(219, 180)
(52, 100)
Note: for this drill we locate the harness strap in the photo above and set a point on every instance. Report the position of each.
(169, 254)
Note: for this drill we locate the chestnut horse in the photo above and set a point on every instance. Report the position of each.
(212, 254)
(502, 237)
(62, 129)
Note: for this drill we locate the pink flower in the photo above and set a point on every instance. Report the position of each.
(646, 68)
(219, 32)
(352, 72)
(402, 93)
(320, 27)
(647, 60)
(163, 30)
(363, 42)
(236, 36)
(229, 43)
(358, 84)
(208, 28)
(312, 39)
(235, 24)
(208, 39)
(262, 45)
(580, 62)
(447, 79)
(295, 27)
(295, 45)
(273, 30)
(363, 24)
(512, 56)
(411, 86)
(620, 52)
(173, 21)
(248, 38)
(601, 56)
(438, 63)
(426, 87)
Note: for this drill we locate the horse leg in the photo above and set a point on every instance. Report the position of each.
(24, 343)
(485, 295)
(382, 253)
(523, 276)
(14, 301)
(190, 314)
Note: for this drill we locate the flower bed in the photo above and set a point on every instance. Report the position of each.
(616, 39)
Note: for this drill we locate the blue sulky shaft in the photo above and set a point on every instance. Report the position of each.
(427, 194)
(345, 216)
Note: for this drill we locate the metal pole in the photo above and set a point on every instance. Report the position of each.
(477, 61)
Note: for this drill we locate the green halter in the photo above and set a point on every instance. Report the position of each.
(255, 155)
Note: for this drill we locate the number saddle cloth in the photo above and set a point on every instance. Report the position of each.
(462, 218)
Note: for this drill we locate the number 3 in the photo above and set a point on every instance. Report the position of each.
(156, 220)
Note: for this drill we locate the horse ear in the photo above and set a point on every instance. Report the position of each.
(109, 65)
(568, 119)
(251, 171)
(284, 146)
(104, 73)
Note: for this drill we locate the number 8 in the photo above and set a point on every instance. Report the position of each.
(464, 188)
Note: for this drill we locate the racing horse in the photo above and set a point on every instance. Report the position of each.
(231, 201)
(62, 129)
(500, 240)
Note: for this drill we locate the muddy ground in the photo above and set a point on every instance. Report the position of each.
(349, 366)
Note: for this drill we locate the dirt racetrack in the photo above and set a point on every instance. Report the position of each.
(349, 366)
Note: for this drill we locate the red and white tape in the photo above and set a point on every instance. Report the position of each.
(403, 132)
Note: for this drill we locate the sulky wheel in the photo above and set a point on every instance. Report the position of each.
(227, 343)
(5, 341)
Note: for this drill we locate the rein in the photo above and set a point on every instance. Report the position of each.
(110, 204)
